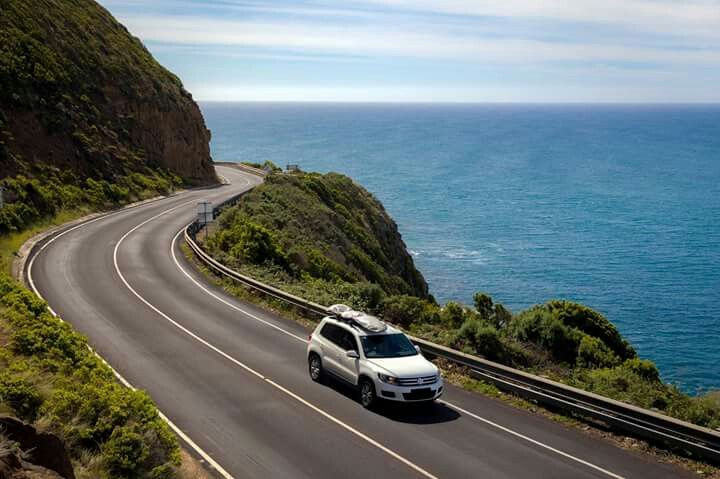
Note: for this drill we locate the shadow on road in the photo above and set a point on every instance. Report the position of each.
(410, 413)
(417, 413)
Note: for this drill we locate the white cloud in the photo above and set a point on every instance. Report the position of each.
(684, 17)
(420, 93)
(377, 41)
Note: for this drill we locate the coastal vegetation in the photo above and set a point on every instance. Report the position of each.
(50, 378)
(80, 93)
(325, 238)
(321, 233)
(31, 199)
(265, 165)
(89, 121)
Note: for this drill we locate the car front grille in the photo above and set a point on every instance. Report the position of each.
(423, 380)
(418, 394)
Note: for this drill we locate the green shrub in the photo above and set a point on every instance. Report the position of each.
(265, 165)
(330, 227)
(478, 337)
(318, 265)
(124, 453)
(249, 242)
(20, 395)
(644, 368)
(404, 310)
(501, 316)
(539, 326)
(592, 353)
(33, 199)
(483, 305)
(592, 323)
(370, 296)
(702, 410)
(453, 314)
(81, 399)
(494, 313)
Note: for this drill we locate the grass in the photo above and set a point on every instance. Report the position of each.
(10, 244)
(111, 431)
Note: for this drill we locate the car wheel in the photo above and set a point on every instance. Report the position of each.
(367, 393)
(315, 368)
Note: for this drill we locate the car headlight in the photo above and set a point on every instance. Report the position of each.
(387, 379)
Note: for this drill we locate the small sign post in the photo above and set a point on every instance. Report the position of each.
(204, 215)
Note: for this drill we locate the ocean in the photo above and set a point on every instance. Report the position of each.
(613, 206)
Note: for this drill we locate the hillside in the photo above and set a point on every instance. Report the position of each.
(88, 121)
(324, 227)
(80, 94)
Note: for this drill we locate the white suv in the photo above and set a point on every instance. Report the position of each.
(374, 357)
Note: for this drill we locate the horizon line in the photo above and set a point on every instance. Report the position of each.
(490, 102)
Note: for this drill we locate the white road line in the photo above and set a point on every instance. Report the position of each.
(252, 371)
(124, 381)
(228, 303)
(457, 408)
(529, 439)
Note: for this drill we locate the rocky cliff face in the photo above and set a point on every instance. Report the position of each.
(26, 453)
(79, 93)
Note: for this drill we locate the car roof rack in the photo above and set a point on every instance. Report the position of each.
(358, 319)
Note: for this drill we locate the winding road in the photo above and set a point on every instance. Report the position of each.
(233, 378)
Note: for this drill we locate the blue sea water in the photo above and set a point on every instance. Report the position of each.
(614, 206)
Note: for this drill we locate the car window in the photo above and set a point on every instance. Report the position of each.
(341, 337)
(387, 346)
(348, 341)
(331, 333)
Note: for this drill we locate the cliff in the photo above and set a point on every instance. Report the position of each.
(78, 93)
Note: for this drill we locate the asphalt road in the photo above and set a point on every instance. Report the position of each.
(234, 378)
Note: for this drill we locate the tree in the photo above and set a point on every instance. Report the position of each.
(494, 313)
(453, 314)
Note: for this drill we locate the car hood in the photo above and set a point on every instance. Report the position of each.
(405, 367)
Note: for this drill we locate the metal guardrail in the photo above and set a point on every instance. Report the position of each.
(657, 428)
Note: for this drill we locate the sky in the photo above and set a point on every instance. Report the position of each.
(435, 50)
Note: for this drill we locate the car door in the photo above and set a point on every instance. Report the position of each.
(348, 366)
(330, 345)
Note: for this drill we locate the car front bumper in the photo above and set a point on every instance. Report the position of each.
(427, 392)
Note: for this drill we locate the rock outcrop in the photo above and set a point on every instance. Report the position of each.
(26, 453)
(79, 93)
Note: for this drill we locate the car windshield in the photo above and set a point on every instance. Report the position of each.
(387, 346)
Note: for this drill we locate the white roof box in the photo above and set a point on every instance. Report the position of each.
(339, 309)
(365, 321)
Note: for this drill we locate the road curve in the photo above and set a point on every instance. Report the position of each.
(233, 377)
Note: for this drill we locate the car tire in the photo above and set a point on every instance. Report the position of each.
(368, 398)
(315, 368)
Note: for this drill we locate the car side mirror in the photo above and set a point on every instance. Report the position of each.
(352, 354)
(417, 348)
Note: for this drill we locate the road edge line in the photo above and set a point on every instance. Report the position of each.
(198, 450)
(457, 408)
(252, 371)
